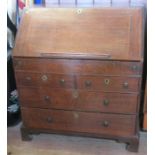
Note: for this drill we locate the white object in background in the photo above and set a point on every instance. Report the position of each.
(68, 2)
(51, 3)
(121, 3)
(144, 2)
(29, 3)
(85, 1)
(11, 8)
(102, 2)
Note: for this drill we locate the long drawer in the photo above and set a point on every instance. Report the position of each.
(78, 66)
(71, 99)
(103, 83)
(59, 120)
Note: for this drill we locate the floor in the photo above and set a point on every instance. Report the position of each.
(51, 144)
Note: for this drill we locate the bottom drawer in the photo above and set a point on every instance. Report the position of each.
(71, 121)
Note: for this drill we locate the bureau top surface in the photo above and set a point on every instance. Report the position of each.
(100, 33)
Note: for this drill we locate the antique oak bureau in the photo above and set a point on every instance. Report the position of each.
(78, 71)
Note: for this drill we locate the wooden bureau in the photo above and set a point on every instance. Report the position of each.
(79, 70)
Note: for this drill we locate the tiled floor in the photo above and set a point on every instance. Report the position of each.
(51, 144)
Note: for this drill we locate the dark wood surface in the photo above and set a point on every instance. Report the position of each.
(44, 79)
(93, 82)
(79, 100)
(79, 121)
(77, 66)
(108, 83)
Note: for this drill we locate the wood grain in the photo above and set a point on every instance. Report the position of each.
(90, 101)
(69, 66)
(104, 83)
(109, 33)
(123, 125)
(113, 84)
(78, 70)
(45, 79)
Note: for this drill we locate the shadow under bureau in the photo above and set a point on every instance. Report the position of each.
(79, 71)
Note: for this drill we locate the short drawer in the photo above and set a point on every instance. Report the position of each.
(97, 123)
(109, 83)
(68, 99)
(47, 98)
(124, 103)
(78, 66)
(41, 79)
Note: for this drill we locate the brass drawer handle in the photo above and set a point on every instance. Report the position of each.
(18, 63)
(75, 115)
(62, 81)
(106, 102)
(125, 85)
(107, 81)
(28, 78)
(44, 78)
(46, 98)
(134, 68)
(88, 83)
(105, 124)
(49, 120)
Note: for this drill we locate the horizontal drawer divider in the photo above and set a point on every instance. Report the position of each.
(136, 114)
(72, 58)
(123, 92)
(77, 74)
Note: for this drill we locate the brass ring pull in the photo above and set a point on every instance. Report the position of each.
(44, 78)
(125, 85)
(88, 83)
(106, 102)
(105, 124)
(107, 81)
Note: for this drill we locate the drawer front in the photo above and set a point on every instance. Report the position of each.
(78, 66)
(59, 120)
(107, 102)
(47, 98)
(50, 80)
(78, 100)
(108, 83)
